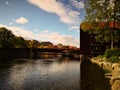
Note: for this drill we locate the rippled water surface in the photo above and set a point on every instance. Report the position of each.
(40, 74)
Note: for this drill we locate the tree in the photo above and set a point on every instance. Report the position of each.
(59, 45)
(6, 38)
(29, 43)
(32, 43)
(19, 42)
(103, 12)
(36, 43)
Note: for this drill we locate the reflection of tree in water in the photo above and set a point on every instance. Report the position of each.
(92, 77)
(5, 63)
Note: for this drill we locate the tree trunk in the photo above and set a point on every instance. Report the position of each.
(112, 31)
(112, 40)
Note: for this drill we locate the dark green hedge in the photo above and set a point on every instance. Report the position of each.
(112, 52)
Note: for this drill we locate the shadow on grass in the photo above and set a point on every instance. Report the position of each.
(92, 77)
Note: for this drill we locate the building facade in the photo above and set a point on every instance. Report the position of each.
(88, 41)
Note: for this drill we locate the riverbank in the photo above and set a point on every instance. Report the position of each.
(112, 71)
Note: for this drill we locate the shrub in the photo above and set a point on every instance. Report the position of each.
(100, 56)
(114, 59)
(112, 52)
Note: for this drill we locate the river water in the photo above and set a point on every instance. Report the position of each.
(40, 74)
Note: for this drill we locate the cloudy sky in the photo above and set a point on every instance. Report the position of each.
(56, 21)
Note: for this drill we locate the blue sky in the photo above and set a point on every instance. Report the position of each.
(56, 21)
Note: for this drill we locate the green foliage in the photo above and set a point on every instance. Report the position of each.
(106, 11)
(114, 59)
(59, 44)
(19, 42)
(102, 10)
(6, 38)
(112, 52)
(100, 56)
(33, 44)
(9, 40)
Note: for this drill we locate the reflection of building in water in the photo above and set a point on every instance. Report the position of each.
(92, 77)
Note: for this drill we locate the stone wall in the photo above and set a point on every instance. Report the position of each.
(112, 71)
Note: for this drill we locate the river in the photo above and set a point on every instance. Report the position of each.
(40, 74)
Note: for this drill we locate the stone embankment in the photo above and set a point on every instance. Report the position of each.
(112, 71)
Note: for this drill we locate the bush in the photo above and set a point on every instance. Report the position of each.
(112, 52)
(114, 59)
(100, 56)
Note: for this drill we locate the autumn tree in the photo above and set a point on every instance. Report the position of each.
(19, 42)
(59, 45)
(103, 12)
(32, 43)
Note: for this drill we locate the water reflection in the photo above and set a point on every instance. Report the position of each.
(92, 77)
(41, 74)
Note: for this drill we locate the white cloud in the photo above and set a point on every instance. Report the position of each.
(46, 31)
(11, 23)
(7, 3)
(36, 30)
(77, 4)
(58, 38)
(74, 28)
(22, 20)
(66, 15)
(46, 35)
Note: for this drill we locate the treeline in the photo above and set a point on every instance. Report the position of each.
(9, 40)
